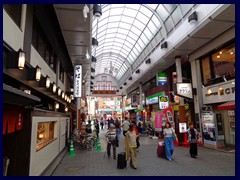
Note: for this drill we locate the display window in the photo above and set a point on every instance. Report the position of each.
(219, 66)
(45, 134)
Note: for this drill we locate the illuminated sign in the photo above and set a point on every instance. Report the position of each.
(185, 90)
(78, 81)
(161, 79)
(163, 102)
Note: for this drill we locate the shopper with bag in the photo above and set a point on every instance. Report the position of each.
(169, 135)
(111, 141)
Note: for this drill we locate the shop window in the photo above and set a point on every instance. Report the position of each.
(219, 66)
(224, 62)
(42, 45)
(61, 74)
(45, 134)
(206, 70)
(15, 12)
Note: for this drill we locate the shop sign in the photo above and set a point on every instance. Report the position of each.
(134, 100)
(219, 93)
(161, 79)
(184, 90)
(169, 116)
(163, 102)
(153, 99)
(231, 113)
(128, 101)
(176, 107)
(78, 81)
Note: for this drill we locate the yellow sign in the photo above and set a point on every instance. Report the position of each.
(176, 107)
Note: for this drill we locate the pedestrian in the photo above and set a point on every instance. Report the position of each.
(125, 126)
(111, 141)
(192, 139)
(101, 123)
(111, 121)
(131, 146)
(168, 134)
(138, 134)
(118, 128)
(96, 125)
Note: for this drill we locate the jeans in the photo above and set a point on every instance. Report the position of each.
(109, 149)
(169, 147)
(118, 132)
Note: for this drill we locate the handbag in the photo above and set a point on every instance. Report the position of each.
(173, 136)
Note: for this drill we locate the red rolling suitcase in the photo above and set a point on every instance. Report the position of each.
(161, 150)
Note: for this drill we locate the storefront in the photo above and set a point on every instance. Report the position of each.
(218, 114)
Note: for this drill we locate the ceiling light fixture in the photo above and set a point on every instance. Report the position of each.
(97, 11)
(87, 55)
(192, 19)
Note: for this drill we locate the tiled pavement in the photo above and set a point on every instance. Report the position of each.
(92, 163)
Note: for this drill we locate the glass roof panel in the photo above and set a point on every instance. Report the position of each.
(124, 30)
(163, 14)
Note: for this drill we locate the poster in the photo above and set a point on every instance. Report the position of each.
(208, 125)
(182, 127)
(158, 121)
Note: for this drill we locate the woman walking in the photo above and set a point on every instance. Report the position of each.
(192, 139)
(168, 134)
(131, 146)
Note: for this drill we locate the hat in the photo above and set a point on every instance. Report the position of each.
(112, 125)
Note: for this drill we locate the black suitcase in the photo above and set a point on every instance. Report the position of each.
(121, 160)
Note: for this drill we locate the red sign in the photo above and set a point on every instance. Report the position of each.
(169, 115)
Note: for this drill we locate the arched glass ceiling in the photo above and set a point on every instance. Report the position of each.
(124, 31)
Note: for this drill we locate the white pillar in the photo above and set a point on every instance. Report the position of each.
(197, 83)
(179, 74)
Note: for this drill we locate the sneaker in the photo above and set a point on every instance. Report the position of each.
(170, 160)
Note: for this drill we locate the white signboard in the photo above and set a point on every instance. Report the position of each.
(182, 127)
(219, 93)
(77, 81)
(185, 90)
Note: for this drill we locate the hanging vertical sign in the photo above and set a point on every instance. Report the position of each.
(134, 100)
(161, 79)
(169, 115)
(78, 81)
(158, 121)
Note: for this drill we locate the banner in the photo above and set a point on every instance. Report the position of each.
(169, 116)
(78, 81)
(158, 121)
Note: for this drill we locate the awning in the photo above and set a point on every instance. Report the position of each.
(227, 105)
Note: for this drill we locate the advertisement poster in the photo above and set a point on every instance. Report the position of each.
(168, 112)
(182, 127)
(208, 123)
(158, 121)
(153, 119)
